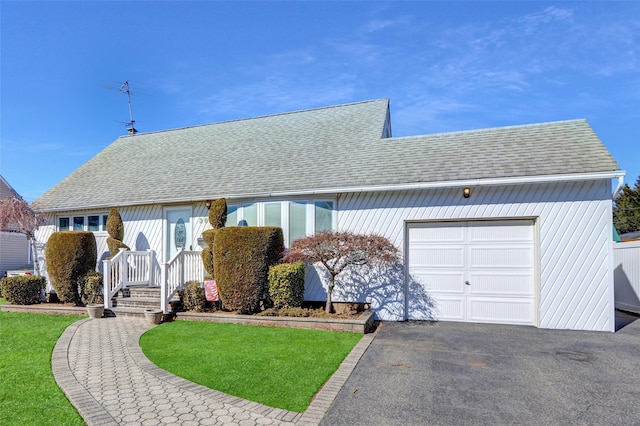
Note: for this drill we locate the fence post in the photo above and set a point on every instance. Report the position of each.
(124, 268)
(106, 283)
(150, 268)
(163, 287)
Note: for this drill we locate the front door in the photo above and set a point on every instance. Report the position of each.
(178, 231)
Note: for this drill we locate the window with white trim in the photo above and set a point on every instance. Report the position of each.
(297, 218)
(91, 222)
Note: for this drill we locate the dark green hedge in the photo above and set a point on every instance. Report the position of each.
(115, 227)
(286, 285)
(23, 290)
(69, 256)
(242, 257)
(207, 260)
(114, 246)
(193, 297)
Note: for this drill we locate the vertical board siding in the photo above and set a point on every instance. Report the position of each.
(627, 275)
(574, 225)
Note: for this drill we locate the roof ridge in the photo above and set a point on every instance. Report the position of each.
(490, 129)
(256, 117)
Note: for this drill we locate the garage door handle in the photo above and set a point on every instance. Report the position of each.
(467, 283)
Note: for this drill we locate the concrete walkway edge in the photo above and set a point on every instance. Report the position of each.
(88, 407)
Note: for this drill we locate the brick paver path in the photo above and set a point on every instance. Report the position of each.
(102, 370)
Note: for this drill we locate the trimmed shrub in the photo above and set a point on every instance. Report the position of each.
(115, 227)
(69, 256)
(23, 290)
(207, 260)
(91, 288)
(286, 285)
(209, 236)
(218, 214)
(193, 298)
(242, 257)
(115, 246)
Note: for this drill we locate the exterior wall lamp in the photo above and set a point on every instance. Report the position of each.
(466, 192)
(207, 204)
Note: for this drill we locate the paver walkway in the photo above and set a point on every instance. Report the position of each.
(100, 367)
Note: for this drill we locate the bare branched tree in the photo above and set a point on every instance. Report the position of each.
(16, 215)
(337, 251)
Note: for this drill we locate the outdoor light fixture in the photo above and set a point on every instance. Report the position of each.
(466, 192)
(207, 204)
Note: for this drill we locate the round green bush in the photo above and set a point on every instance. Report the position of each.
(193, 297)
(91, 287)
(209, 236)
(114, 246)
(69, 256)
(23, 290)
(286, 285)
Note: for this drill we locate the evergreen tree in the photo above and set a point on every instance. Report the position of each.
(626, 209)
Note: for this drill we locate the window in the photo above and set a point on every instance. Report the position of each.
(273, 214)
(63, 224)
(232, 216)
(323, 215)
(92, 223)
(297, 218)
(297, 221)
(78, 223)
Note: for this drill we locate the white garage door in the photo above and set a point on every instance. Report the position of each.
(481, 271)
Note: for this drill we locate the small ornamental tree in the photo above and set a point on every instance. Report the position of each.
(337, 251)
(16, 215)
(115, 229)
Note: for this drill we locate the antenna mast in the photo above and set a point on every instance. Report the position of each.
(125, 89)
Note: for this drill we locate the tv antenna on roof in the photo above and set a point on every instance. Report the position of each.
(124, 88)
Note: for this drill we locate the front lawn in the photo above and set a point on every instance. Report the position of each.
(278, 367)
(29, 394)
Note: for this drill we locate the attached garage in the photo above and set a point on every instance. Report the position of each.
(475, 271)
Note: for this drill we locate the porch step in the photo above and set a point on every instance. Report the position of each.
(139, 298)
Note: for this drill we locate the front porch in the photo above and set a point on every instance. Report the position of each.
(155, 284)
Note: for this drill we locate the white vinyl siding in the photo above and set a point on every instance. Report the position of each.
(573, 246)
(14, 251)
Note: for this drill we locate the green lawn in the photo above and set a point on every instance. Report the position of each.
(279, 367)
(29, 394)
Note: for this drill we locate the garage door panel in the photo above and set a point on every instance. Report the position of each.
(499, 283)
(501, 257)
(441, 282)
(450, 309)
(436, 233)
(501, 231)
(501, 311)
(441, 257)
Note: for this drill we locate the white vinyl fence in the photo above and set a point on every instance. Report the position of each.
(626, 278)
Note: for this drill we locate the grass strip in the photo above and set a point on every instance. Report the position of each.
(29, 394)
(278, 367)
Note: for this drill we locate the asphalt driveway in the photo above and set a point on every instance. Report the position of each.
(420, 373)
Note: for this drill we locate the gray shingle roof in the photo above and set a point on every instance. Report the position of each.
(316, 150)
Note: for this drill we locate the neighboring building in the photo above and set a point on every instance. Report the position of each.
(14, 248)
(506, 225)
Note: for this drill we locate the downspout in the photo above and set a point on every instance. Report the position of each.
(618, 187)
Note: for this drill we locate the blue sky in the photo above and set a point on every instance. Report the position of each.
(446, 66)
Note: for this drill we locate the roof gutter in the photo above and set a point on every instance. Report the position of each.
(619, 174)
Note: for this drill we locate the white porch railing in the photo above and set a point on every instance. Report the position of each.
(142, 268)
(185, 266)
